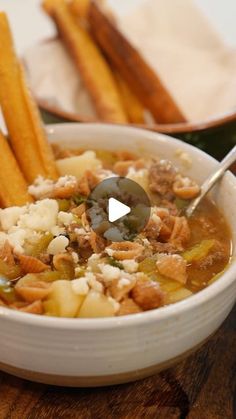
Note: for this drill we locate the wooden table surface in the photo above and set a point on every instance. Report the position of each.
(201, 387)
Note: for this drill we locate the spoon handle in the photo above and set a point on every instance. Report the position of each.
(229, 159)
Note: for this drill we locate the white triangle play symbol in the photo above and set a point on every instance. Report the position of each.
(116, 209)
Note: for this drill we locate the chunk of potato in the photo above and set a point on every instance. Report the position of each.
(96, 305)
(77, 165)
(62, 301)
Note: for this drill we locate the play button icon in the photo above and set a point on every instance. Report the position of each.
(118, 209)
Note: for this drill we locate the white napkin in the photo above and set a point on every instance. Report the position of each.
(179, 43)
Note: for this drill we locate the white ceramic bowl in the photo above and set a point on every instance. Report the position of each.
(90, 352)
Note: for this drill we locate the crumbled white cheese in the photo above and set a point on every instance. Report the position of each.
(65, 218)
(130, 265)
(105, 174)
(16, 238)
(3, 238)
(146, 242)
(80, 231)
(58, 245)
(109, 272)
(80, 286)
(79, 272)
(10, 216)
(75, 257)
(115, 304)
(123, 282)
(109, 251)
(156, 219)
(65, 181)
(41, 187)
(56, 230)
(41, 216)
(93, 283)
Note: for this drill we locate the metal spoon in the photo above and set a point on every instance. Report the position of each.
(229, 159)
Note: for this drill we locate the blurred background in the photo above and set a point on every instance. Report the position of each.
(30, 25)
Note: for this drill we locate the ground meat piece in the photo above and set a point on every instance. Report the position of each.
(173, 266)
(171, 206)
(147, 294)
(159, 247)
(87, 183)
(85, 249)
(153, 228)
(128, 306)
(217, 254)
(97, 243)
(162, 176)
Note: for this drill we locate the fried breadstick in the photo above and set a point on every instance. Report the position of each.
(21, 115)
(132, 104)
(133, 68)
(93, 68)
(80, 8)
(13, 187)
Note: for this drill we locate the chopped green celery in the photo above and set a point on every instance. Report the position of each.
(114, 262)
(166, 285)
(77, 220)
(79, 199)
(48, 276)
(181, 203)
(148, 265)
(41, 245)
(8, 271)
(80, 272)
(63, 204)
(199, 251)
(7, 292)
(178, 295)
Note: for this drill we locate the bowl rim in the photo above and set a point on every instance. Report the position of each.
(226, 279)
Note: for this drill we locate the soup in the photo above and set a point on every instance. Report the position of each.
(53, 263)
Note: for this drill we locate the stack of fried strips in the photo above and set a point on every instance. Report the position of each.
(121, 84)
(27, 154)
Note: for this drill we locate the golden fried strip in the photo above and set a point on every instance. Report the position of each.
(132, 104)
(21, 115)
(93, 68)
(80, 8)
(133, 68)
(13, 187)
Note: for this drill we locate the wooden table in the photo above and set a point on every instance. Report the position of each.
(201, 387)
